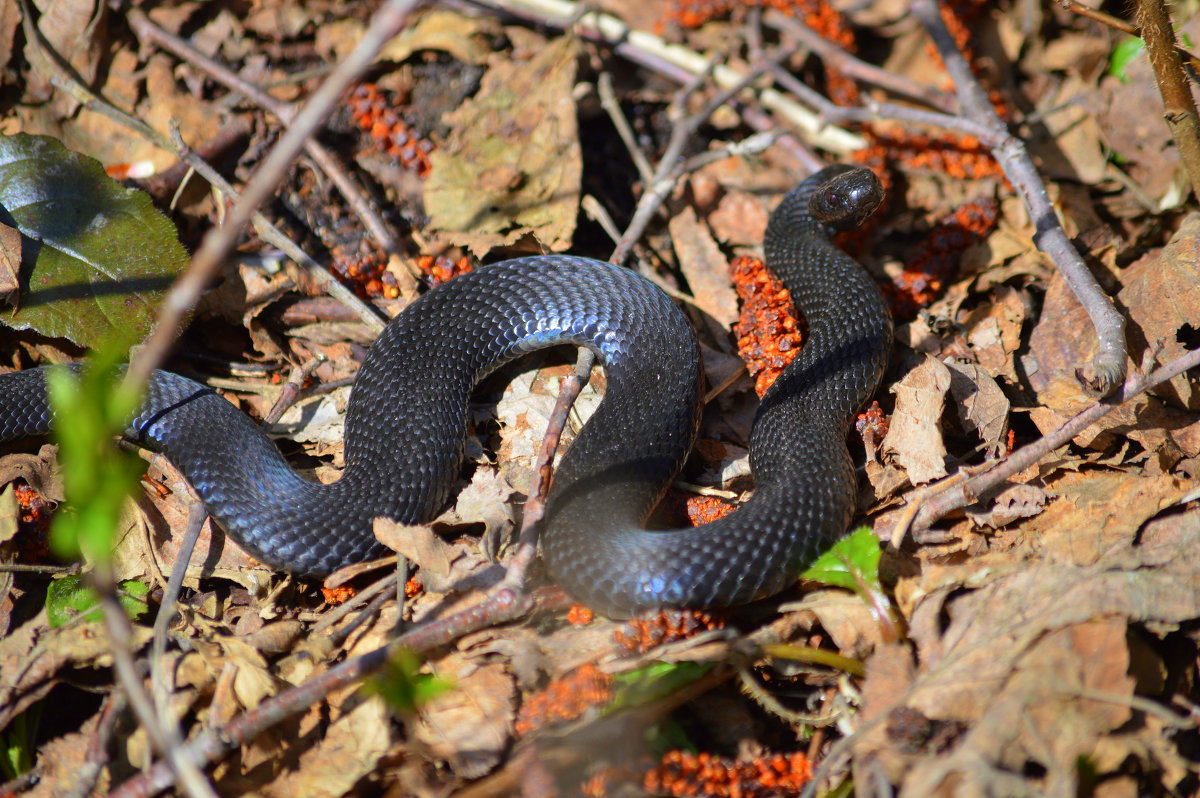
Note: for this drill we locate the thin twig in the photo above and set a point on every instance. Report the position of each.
(291, 388)
(837, 58)
(286, 112)
(1179, 109)
(217, 244)
(535, 505)
(608, 101)
(197, 513)
(502, 606)
(164, 737)
(969, 491)
(1116, 23)
(1107, 369)
(672, 60)
(48, 570)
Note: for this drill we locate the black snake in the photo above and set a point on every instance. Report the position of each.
(406, 422)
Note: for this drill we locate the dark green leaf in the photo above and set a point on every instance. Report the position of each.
(852, 562)
(71, 596)
(95, 256)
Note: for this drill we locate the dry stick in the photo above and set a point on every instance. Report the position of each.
(48, 570)
(1107, 369)
(291, 388)
(503, 606)
(535, 505)
(841, 60)
(1192, 62)
(286, 112)
(97, 757)
(1179, 109)
(164, 738)
(970, 490)
(871, 111)
(197, 513)
(608, 101)
(182, 297)
(665, 58)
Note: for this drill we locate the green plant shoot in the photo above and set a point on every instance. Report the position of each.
(89, 411)
(402, 685)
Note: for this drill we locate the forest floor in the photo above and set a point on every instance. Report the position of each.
(1021, 617)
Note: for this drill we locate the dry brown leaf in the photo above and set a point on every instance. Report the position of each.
(914, 439)
(10, 263)
(1161, 295)
(1011, 504)
(1016, 651)
(63, 766)
(75, 30)
(740, 219)
(444, 566)
(471, 725)
(512, 163)
(168, 103)
(1074, 149)
(1081, 525)
(350, 749)
(466, 39)
(705, 267)
(40, 471)
(982, 406)
(32, 656)
(994, 331)
(485, 500)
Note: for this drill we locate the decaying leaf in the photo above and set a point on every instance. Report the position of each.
(915, 438)
(512, 163)
(10, 263)
(471, 725)
(706, 268)
(98, 256)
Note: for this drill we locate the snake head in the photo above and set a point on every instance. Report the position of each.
(845, 197)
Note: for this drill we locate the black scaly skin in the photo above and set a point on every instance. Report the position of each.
(405, 424)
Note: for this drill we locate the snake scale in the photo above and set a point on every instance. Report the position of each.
(406, 422)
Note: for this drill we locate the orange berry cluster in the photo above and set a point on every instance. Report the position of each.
(818, 15)
(665, 626)
(566, 698)
(442, 269)
(35, 510)
(768, 331)
(960, 156)
(579, 615)
(686, 774)
(33, 523)
(959, 15)
(938, 256)
(366, 273)
(338, 595)
(706, 509)
(372, 112)
(872, 425)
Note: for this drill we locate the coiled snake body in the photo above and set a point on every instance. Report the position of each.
(405, 425)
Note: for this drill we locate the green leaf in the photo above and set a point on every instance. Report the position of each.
(17, 742)
(95, 256)
(71, 596)
(852, 562)
(88, 412)
(1122, 56)
(658, 679)
(403, 686)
